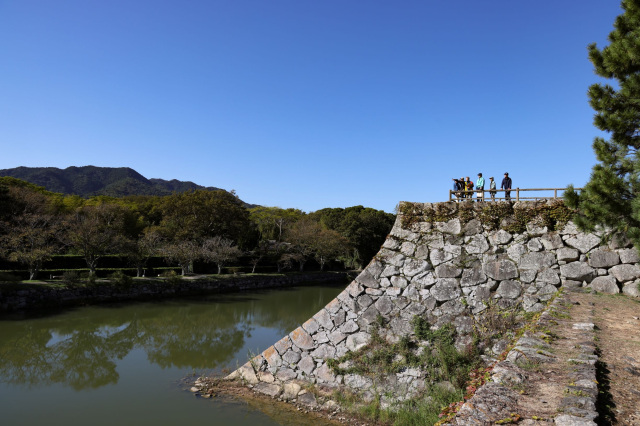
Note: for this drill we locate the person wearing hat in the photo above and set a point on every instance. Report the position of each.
(480, 187)
(506, 185)
(492, 188)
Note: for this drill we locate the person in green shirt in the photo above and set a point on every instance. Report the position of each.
(480, 187)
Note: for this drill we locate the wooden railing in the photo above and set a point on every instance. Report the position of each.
(514, 194)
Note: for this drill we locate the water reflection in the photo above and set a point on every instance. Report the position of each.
(81, 348)
(81, 359)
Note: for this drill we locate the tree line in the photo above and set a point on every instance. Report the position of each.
(610, 197)
(198, 225)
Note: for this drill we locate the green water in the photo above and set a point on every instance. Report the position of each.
(126, 364)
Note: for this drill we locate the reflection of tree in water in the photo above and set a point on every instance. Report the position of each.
(194, 338)
(82, 359)
(80, 348)
(83, 354)
(285, 309)
(21, 359)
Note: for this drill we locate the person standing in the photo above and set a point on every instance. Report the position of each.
(492, 188)
(480, 187)
(456, 188)
(506, 185)
(469, 187)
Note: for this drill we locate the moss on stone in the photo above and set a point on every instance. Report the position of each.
(512, 217)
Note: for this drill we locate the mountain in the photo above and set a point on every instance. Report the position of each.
(89, 181)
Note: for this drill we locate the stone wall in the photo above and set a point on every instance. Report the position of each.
(446, 272)
(15, 297)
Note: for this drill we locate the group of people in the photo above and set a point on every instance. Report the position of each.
(466, 188)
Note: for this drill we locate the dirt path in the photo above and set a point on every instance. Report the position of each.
(578, 364)
(617, 337)
(617, 320)
(548, 377)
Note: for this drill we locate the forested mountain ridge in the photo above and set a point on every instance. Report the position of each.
(88, 181)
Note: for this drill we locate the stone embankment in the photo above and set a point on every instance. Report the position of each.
(15, 297)
(447, 263)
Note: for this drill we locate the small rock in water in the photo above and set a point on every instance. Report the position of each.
(194, 389)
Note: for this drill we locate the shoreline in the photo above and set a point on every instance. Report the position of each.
(26, 297)
(214, 387)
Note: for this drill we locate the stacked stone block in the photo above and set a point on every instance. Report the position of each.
(447, 272)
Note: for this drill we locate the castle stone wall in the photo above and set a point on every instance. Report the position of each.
(448, 272)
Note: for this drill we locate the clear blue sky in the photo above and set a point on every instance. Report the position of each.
(301, 103)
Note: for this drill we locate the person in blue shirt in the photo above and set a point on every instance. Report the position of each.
(457, 187)
(480, 187)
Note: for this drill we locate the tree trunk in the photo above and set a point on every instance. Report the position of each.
(253, 270)
(219, 268)
(91, 263)
(139, 271)
(184, 269)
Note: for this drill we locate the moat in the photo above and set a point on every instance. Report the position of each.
(125, 363)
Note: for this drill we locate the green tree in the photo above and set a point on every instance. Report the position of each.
(220, 251)
(302, 236)
(365, 228)
(272, 222)
(258, 253)
(183, 253)
(328, 245)
(610, 196)
(198, 215)
(5, 202)
(139, 251)
(32, 229)
(97, 230)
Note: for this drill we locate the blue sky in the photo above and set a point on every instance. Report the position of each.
(305, 104)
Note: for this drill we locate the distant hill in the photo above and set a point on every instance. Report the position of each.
(89, 181)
